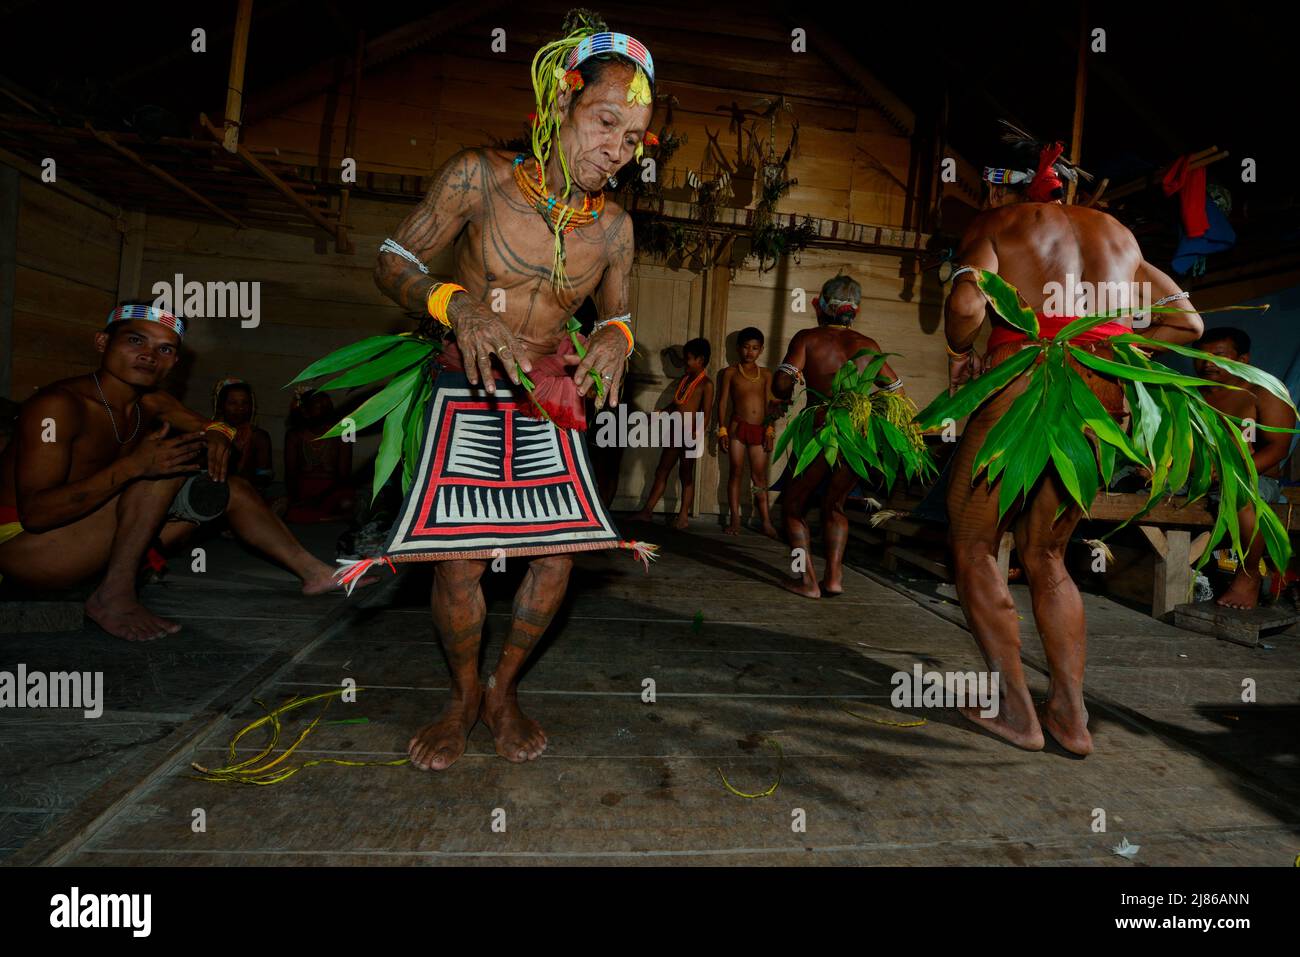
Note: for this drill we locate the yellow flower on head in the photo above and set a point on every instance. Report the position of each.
(639, 90)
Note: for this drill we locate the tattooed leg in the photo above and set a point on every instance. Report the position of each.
(458, 615)
(518, 737)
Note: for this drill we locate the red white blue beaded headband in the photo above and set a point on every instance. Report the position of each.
(148, 314)
(630, 47)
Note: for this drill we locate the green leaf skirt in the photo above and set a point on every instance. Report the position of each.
(873, 433)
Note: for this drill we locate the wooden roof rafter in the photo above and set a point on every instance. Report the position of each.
(201, 179)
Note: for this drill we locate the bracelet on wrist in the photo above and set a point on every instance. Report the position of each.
(221, 428)
(438, 298)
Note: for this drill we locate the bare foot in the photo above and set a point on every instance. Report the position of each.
(1069, 730)
(436, 746)
(770, 530)
(1243, 593)
(645, 515)
(682, 522)
(801, 587)
(518, 737)
(829, 590)
(122, 616)
(732, 529)
(1022, 733)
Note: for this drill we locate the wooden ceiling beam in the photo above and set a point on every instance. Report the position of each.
(274, 181)
(163, 175)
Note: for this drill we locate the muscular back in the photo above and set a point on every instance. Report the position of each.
(1032, 245)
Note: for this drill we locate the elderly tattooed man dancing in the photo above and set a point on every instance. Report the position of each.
(499, 473)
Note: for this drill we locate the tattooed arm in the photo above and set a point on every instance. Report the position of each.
(452, 201)
(456, 198)
(606, 351)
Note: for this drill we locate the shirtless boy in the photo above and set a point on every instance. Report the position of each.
(743, 398)
(694, 393)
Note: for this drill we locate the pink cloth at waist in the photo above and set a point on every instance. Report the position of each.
(553, 387)
(1049, 326)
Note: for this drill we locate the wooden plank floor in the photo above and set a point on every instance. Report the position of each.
(240, 618)
(1183, 767)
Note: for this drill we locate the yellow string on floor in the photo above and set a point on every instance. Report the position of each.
(890, 724)
(243, 772)
(760, 794)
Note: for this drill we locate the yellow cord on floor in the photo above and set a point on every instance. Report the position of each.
(244, 773)
(891, 724)
(761, 794)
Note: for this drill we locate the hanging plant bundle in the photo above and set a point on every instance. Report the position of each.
(872, 431)
(406, 361)
(1175, 433)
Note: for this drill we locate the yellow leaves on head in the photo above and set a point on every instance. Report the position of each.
(638, 91)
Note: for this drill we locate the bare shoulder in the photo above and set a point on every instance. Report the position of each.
(1096, 219)
(57, 398)
(617, 225)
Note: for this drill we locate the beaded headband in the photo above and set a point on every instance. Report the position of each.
(630, 47)
(148, 314)
(225, 383)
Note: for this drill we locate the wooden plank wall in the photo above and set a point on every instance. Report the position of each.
(417, 110)
(65, 285)
(311, 302)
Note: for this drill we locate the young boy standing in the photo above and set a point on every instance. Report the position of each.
(743, 399)
(694, 393)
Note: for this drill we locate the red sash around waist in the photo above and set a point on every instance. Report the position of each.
(553, 387)
(1048, 326)
(8, 514)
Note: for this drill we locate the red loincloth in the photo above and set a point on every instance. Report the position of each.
(746, 433)
(1006, 341)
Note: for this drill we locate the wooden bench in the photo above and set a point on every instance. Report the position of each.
(1168, 528)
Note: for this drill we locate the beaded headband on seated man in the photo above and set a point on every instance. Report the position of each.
(147, 314)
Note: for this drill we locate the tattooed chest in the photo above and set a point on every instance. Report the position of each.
(510, 256)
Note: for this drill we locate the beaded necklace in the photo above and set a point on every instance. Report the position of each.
(678, 398)
(560, 217)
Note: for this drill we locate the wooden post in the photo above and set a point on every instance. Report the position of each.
(9, 185)
(1173, 572)
(1080, 92)
(344, 243)
(235, 88)
(280, 185)
(717, 289)
(131, 258)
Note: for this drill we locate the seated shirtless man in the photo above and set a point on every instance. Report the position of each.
(745, 426)
(815, 355)
(1268, 449)
(88, 481)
